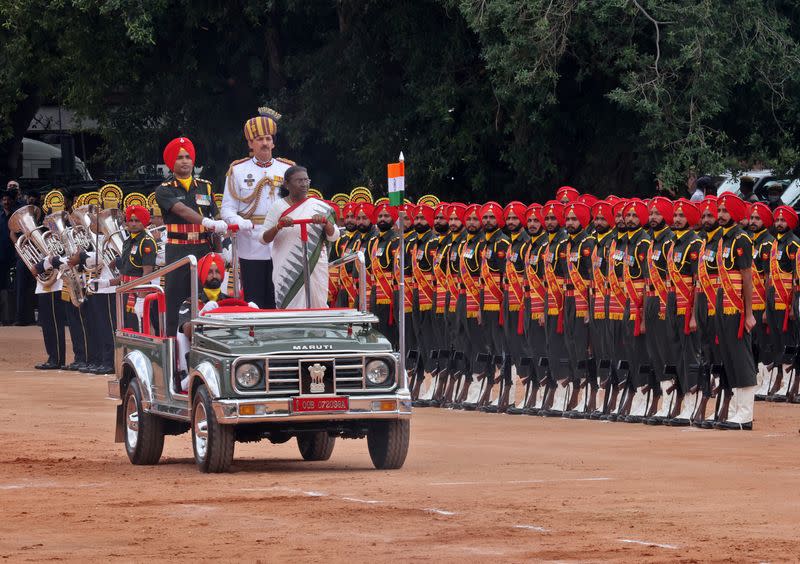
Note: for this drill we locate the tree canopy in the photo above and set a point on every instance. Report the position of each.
(486, 98)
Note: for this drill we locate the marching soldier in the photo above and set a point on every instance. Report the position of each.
(459, 360)
(422, 312)
(634, 280)
(188, 207)
(734, 317)
(251, 189)
(765, 351)
(444, 238)
(382, 249)
(682, 262)
(780, 314)
(567, 194)
(658, 334)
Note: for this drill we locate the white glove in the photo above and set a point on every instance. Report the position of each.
(47, 264)
(210, 306)
(227, 255)
(244, 224)
(102, 283)
(252, 304)
(217, 226)
(138, 307)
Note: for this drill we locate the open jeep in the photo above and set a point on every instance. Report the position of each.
(313, 375)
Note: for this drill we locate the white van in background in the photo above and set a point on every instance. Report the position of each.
(36, 157)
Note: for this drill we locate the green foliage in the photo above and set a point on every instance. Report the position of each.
(487, 98)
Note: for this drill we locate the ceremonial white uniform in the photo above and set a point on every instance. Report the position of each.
(246, 176)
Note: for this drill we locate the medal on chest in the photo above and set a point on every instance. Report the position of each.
(202, 200)
(726, 252)
(249, 180)
(469, 253)
(573, 257)
(488, 254)
(677, 256)
(656, 255)
(709, 256)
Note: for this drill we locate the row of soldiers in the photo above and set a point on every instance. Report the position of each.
(653, 311)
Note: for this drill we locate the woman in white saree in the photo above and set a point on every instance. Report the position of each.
(287, 247)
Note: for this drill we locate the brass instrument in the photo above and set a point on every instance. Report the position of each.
(114, 234)
(56, 223)
(36, 243)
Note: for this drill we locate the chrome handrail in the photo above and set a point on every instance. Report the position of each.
(358, 258)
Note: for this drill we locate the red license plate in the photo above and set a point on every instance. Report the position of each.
(306, 404)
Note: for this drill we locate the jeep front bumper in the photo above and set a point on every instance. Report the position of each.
(386, 406)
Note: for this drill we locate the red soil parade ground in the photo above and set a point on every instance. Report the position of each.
(475, 487)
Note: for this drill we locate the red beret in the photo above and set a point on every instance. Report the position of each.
(689, 210)
(441, 208)
(365, 207)
(385, 207)
(174, 147)
(204, 265)
(709, 204)
(763, 212)
(604, 209)
(588, 199)
(458, 209)
(734, 204)
(664, 206)
(472, 209)
(518, 208)
(567, 192)
(140, 212)
(425, 211)
(581, 211)
(534, 209)
(556, 208)
(787, 213)
(496, 209)
(638, 207)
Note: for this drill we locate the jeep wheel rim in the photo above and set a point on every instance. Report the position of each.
(132, 421)
(200, 430)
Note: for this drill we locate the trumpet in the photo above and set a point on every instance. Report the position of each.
(56, 224)
(36, 243)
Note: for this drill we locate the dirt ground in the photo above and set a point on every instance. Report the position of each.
(475, 487)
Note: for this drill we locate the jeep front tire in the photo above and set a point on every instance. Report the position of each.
(388, 443)
(212, 443)
(144, 435)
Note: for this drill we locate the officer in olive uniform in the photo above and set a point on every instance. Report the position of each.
(138, 258)
(188, 208)
(734, 317)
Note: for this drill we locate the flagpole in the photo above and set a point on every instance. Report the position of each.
(401, 314)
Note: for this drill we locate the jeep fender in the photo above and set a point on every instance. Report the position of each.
(142, 370)
(205, 373)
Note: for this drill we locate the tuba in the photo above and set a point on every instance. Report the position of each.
(80, 234)
(56, 223)
(36, 243)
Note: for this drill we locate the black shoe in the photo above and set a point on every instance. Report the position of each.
(653, 421)
(677, 422)
(515, 410)
(488, 409)
(88, 368)
(469, 406)
(103, 370)
(75, 366)
(47, 366)
(633, 418)
(577, 415)
(550, 413)
(707, 424)
(421, 403)
(761, 397)
(727, 425)
(596, 415)
(532, 411)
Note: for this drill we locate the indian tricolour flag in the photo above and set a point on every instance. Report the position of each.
(397, 182)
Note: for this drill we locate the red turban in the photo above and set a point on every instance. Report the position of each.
(365, 207)
(638, 207)
(174, 147)
(588, 199)
(458, 209)
(335, 207)
(612, 199)
(409, 209)
(734, 204)
(709, 204)
(618, 207)
(472, 209)
(763, 212)
(204, 265)
(534, 209)
(787, 213)
(518, 208)
(139, 212)
(689, 210)
(441, 208)
(425, 211)
(604, 209)
(568, 192)
(581, 211)
(387, 208)
(664, 206)
(494, 208)
(556, 208)
(349, 207)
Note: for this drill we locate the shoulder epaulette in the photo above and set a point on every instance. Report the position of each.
(234, 163)
(203, 180)
(285, 161)
(167, 183)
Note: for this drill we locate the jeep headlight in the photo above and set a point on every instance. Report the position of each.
(377, 372)
(247, 375)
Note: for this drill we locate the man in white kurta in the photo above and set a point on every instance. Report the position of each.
(251, 189)
(287, 254)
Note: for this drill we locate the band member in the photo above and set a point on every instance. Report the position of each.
(764, 349)
(188, 207)
(51, 315)
(682, 273)
(780, 314)
(382, 250)
(251, 189)
(658, 334)
(734, 317)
